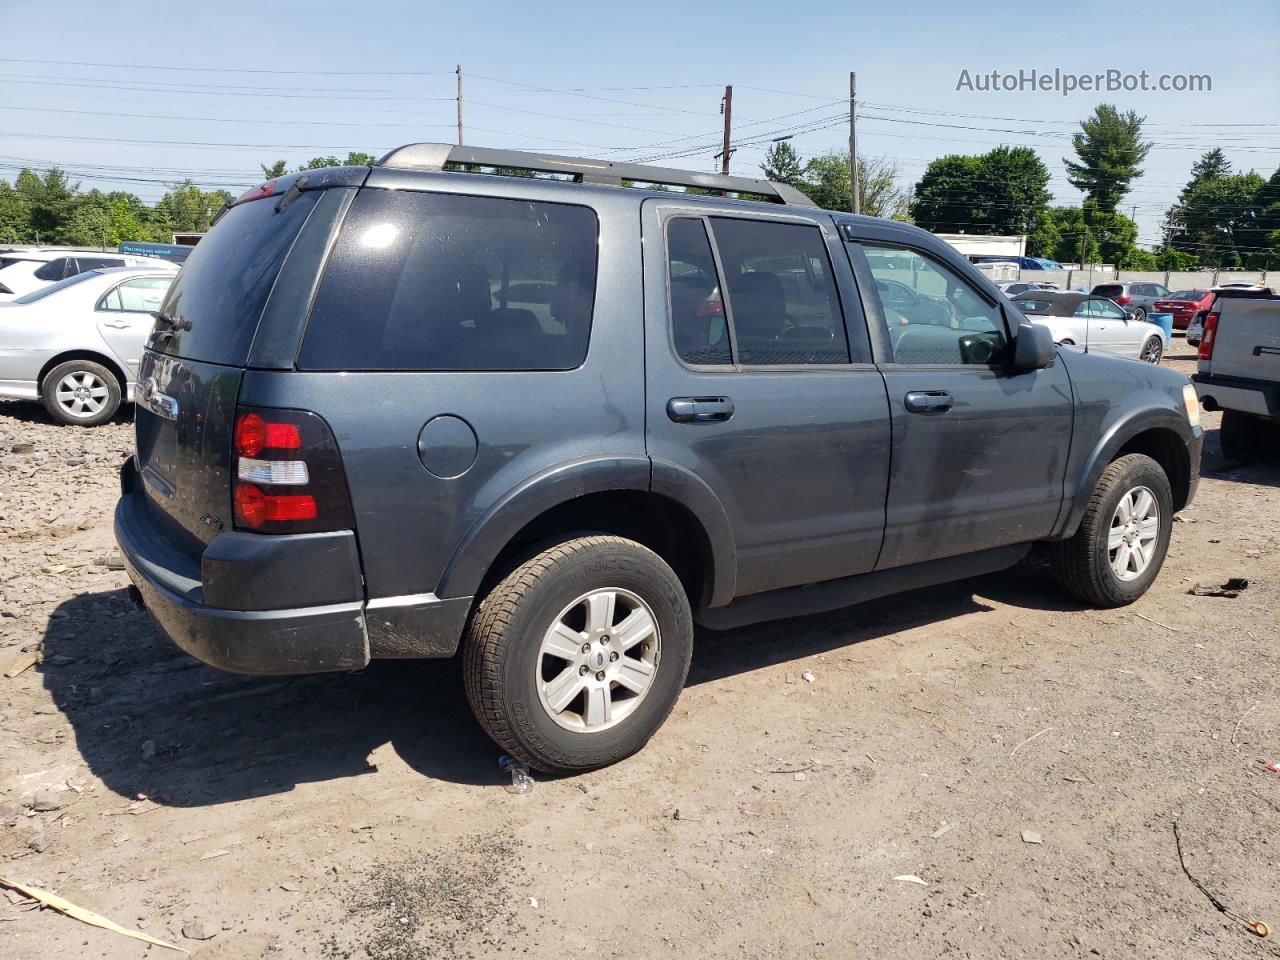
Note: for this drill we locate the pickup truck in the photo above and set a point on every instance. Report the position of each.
(1239, 371)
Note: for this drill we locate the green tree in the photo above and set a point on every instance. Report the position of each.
(1111, 150)
(100, 219)
(1076, 243)
(185, 208)
(48, 200)
(271, 171)
(15, 216)
(1264, 237)
(1002, 192)
(1219, 218)
(783, 164)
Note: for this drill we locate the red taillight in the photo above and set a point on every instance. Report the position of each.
(256, 193)
(254, 434)
(254, 508)
(1123, 300)
(1206, 338)
(710, 308)
(287, 474)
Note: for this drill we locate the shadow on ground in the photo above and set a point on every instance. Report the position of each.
(1263, 473)
(33, 411)
(149, 719)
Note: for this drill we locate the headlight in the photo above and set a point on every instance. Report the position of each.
(1191, 401)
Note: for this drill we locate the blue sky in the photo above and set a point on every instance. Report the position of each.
(293, 80)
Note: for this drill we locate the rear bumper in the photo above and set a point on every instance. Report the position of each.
(1258, 397)
(307, 612)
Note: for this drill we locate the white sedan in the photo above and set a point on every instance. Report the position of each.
(24, 271)
(1093, 323)
(76, 344)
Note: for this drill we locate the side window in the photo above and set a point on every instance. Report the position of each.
(140, 295)
(53, 270)
(1107, 309)
(430, 281)
(934, 316)
(783, 304)
(698, 327)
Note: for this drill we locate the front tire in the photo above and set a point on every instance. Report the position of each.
(1152, 350)
(576, 657)
(1121, 542)
(80, 393)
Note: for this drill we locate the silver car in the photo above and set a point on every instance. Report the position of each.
(76, 344)
(1093, 323)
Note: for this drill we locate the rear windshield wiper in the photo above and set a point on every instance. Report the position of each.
(170, 325)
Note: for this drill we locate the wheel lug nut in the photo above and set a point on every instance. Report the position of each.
(586, 648)
(605, 638)
(600, 675)
(582, 670)
(613, 656)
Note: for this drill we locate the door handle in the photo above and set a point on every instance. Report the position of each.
(699, 409)
(119, 325)
(928, 401)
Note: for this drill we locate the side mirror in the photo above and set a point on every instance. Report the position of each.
(1033, 347)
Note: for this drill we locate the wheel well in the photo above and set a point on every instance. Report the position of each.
(659, 523)
(97, 358)
(1167, 449)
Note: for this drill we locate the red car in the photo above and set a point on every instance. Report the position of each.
(1184, 305)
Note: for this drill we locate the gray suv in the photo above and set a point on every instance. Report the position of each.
(1137, 298)
(533, 409)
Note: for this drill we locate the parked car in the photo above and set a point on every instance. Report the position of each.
(1138, 298)
(1023, 263)
(361, 449)
(1184, 305)
(1195, 329)
(1239, 370)
(76, 344)
(1094, 324)
(1014, 287)
(22, 271)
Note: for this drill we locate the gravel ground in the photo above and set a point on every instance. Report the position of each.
(363, 815)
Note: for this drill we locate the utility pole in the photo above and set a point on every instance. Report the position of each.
(726, 107)
(459, 71)
(853, 142)
(1084, 240)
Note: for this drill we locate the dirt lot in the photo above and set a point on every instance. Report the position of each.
(362, 815)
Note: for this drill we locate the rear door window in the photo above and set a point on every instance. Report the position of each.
(224, 284)
(782, 298)
(139, 295)
(427, 281)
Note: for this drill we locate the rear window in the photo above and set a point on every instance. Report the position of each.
(1034, 306)
(42, 292)
(425, 281)
(1189, 295)
(1108, 290)
(224, 284)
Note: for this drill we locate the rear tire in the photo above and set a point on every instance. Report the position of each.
(80, 393)
(1091, 565)
(551, 663)
(1139, 314)
(1246, 437)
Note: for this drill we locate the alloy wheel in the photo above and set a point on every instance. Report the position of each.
(82, 394)
(1135, 529)
(598, 659)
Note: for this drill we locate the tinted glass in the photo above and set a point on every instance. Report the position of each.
(53, 270)
(1108, 290)
(224, 285)
(782, 299)
(697, 310)
(1191, 295)
(94, 263)
(423, 281)
(1034, 306)
(933, 315)
(1107, 309)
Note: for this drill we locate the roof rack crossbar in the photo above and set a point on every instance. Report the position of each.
(436, 156)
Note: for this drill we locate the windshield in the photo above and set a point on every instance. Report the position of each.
(43, 292)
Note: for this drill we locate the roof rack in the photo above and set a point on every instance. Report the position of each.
(435, 157)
